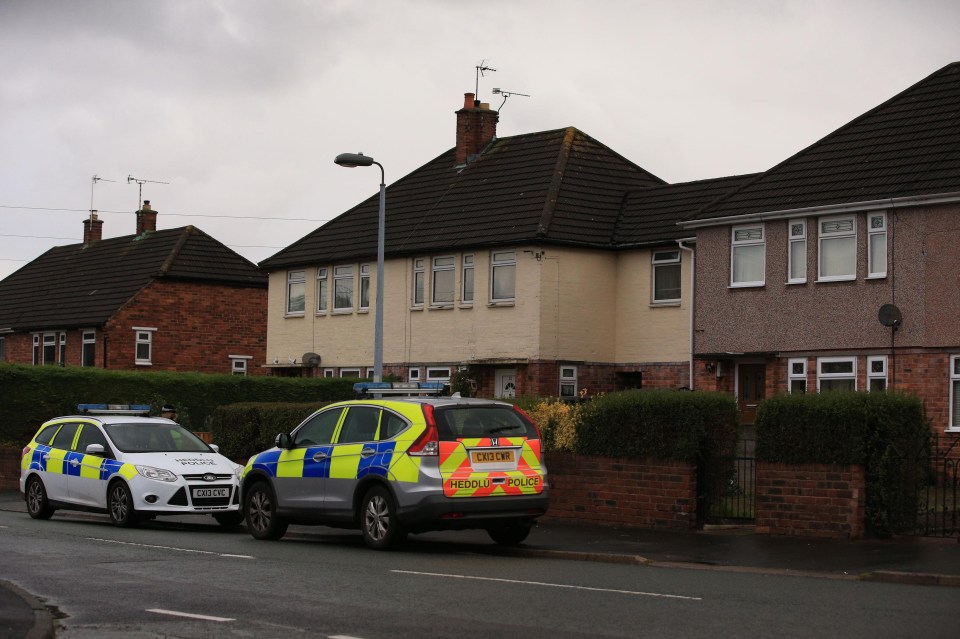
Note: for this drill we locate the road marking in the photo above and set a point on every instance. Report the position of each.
(542, 583)
(199, 552)
(175, 613)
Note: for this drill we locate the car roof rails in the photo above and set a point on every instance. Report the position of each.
(409, 389)
(114, 409)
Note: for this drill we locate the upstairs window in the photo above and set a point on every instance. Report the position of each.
(877, 245)
(666, 277)
(364, 286)
(419, 275)
(296, 292)
(323, 290)
(467, 290)
(89, 346)
(838, 249)
(444, 280)
(343, 288)
(748, 254)
(797, 268)
(503, 274)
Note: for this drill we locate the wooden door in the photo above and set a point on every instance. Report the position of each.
(751, 383)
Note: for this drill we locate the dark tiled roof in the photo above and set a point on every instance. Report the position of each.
(557, 186)
(650, 215)
(908, 146)
(77, 286)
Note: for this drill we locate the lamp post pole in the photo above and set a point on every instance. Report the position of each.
(352, 160)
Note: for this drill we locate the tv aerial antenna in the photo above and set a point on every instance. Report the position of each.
(141, 182)
(481, 69)
(506, 94)
(93, 183)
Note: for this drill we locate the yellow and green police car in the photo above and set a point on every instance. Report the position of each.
(115, 459)
(392, 465)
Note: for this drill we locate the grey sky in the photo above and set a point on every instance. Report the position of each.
(242, 105)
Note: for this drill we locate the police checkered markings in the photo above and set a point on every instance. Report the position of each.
(56, 460)
(342, 461)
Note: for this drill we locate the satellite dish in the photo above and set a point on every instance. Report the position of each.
(311, 360)
(889, 315)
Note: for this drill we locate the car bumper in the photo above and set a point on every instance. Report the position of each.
(437, 512)
(181, 497)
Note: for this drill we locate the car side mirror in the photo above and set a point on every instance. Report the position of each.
(94, 449)
(215, 448)
(284, 440)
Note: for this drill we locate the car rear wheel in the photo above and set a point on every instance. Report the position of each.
(379, 523)
(229, 519)
(510, 535)
(260, 512)
(37, 503)
(120, 506)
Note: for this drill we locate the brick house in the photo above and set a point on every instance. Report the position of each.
(838, 269)
(545, 263)
(175, 299)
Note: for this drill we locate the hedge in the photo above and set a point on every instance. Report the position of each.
(242, 430)
(33, 394)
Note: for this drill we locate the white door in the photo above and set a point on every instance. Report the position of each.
(506, 382)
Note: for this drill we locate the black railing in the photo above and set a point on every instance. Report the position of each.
(931, 500)
(726, 487)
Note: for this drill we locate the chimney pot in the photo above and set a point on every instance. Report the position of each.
(468, 101)
(92, 229)
(146, 219)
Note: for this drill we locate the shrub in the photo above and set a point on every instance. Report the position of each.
(244, 429)
(558, 423)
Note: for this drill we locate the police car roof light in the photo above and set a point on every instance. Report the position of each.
(365, 389)
(114, 409)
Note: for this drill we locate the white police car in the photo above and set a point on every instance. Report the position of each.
(115, 459)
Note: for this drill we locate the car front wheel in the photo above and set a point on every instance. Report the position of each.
(37, 503)
(260, 512)
(379, 523)
(120, 506)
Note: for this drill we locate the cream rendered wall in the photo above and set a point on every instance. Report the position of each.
(646, 332)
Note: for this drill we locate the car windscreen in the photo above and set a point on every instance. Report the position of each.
(465, 422)
(146, 437)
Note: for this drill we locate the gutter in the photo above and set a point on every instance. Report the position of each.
(828, 209)
(693, 297)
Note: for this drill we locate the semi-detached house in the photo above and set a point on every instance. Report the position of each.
(543, 263)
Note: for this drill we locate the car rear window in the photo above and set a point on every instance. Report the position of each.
(465, 422)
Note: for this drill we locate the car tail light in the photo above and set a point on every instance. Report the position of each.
(26, 451)
(428, 443)
(527, 417)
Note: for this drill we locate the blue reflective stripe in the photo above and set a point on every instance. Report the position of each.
(71, 469)
(377, 464)
(109, 467)
(37, 462)
(267, 462)
(317, 469)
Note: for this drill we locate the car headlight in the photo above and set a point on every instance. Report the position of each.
(238, 470)
(158, 474)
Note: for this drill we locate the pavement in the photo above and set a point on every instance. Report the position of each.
(908, 560)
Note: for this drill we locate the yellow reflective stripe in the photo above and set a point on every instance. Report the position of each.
(90, 466)
(530, 457)
(55, 462)
(345, 461)
(76, 437)
(403, 467)
(290, 463)
(128, 471)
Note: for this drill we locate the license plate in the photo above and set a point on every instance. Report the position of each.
(204, 493)
(496, 456)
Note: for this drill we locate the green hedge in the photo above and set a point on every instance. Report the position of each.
(886, 433)
(663, 424)
(30, 395)
(242, 430)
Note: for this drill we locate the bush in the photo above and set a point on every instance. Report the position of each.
(245, 429)
(558, 423)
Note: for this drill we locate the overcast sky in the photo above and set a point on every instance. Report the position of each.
(240, 106)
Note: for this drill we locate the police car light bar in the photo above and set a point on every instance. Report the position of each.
(377, 389)
(114, 409)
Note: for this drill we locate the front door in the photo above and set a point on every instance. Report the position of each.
(506, 382)
(751, 382)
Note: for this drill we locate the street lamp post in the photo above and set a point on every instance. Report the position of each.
(352, 160)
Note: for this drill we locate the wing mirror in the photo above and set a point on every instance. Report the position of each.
(94, 449)
(284, 441)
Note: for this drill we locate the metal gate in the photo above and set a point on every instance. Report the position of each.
(930, 502)
(726, 487)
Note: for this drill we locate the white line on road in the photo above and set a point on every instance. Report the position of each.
(541, 583)
(174, 613)
(200, 552)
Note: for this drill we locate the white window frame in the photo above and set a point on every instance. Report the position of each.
(88, 338)
(413, 374)
(350, 372)
(419, 283)
(467, 293)
(438, 374)
(55, 340)
(369, 374)
(797, 233)
(878, 232)
(329, 372)
(954, 423)
(877, 375)
(661, 261)
(343, 275)
(502, 261)
(824, 236)
(364, 287)
(239, 364)
(736, 246)
(568, 381)
(796, 372)
(297, 278)
(323, 290)
(831, 376)
(143, 336)
(446, 264)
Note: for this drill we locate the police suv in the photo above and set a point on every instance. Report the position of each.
(115, 459)
(392, 465)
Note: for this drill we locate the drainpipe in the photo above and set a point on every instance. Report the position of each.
(693, 272)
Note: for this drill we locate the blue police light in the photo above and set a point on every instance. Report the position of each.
(114, 409)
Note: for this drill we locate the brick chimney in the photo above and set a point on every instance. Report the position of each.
(92, 229)
(146, 219)
(476, 127)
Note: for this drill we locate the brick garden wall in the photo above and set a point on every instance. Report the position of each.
(811, 500)
(10, 468)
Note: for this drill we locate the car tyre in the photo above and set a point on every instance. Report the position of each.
(260, 512)
(120, 506)
(379, 523)
(229, 519)
(511, 535)
(37, 503)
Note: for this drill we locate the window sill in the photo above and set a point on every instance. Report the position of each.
(955, 431)
(441, 307)
(752, 285)
(837, 279)
(796, 283)
(143, 363)
(293, 315)
(503, 303)
(670, 304)
(363, 311)
(345, 311)
(416, 308)
(881, 276)
(465, 305)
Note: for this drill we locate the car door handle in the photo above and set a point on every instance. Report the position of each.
(46, 457)
(74, 462)
(320, 456)
(368, 452)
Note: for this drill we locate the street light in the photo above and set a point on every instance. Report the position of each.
(351, 160)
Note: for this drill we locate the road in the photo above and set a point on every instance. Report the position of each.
(195, 580)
